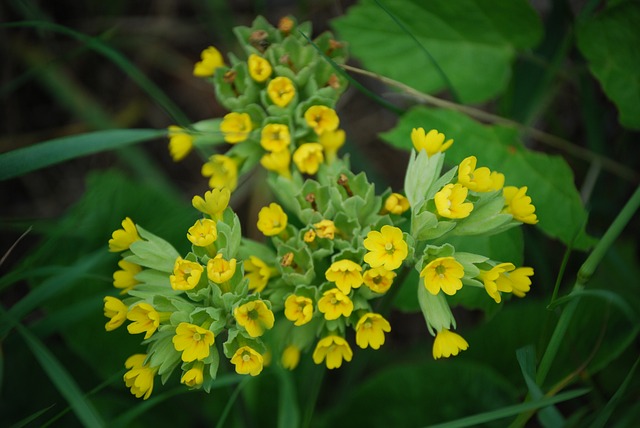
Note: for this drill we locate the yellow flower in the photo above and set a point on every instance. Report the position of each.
(332, 349)
(309, 236)
(145, 320)
(489, 277)
(139, 378)
(370, 330)
(259, 68)
(236, 127)
(331, 142)
(272, 220)
(516, 281)
(290, 357)
(211, 60)
(433, 141)
(214, 203)
(443, 273)
(281, 91)
(186, 274)
(346, 274)
(298, 309)
(308, 157)
(180, 143)
(258, 273)
(247, 361)
(378, 279)
(122, 239)
(193, 341)
(321, 119)
(334, 304)
(478, 179)
(220, 270)
(396, 204)
(519, 205)
(203, 232)
(125, 279)
(275, 137)
(255, 317)
(448, 343)
(193, 377)
(325, 229)
(450, 201)
(223, 171)
(116, 311)
(387, 248)
(278, 162)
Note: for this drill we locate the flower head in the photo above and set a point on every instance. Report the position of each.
(139, 378)
(193, 341)
(308, 157)
(203, 232)
(211, 60)
(519, 205)
(516, 281)
(489, 278)
(325, 229)
(180, 143)
(370, 330)
(281, 91)
(214, 203)
(275, 137)
(255, 317)
(193, 377)
(258, 273)
(450, 201)
(259, 68)
(236, 127)
(278, 162)
(331, 142)
(220, 270)
(346, 274)
(145, 319)
(396, 204)
(298, 309)
(443, 273)
(309, 236)
(125, 279)
(478, 179)
(272, 220)
(332, 349)
(321, 119)
(448, 343)
(247, 361)
(223, 172)
(116, 311)
(290, 357)
(122, 239)
(378, 279)
(186, 274)
(387, 248)
(335, 304)
(433, 141)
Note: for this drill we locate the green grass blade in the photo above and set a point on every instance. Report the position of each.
(288, 411)
(605, 414)
(21, 161)
(609, 296)
(511, 410)
(58, 375)
(26, 421)
(118, 59)
(232, 399)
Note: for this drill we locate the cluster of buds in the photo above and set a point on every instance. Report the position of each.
(335, 244)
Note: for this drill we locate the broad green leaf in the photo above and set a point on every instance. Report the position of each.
(549, 179)
(463, 37)
(21, 161)
(609, 41)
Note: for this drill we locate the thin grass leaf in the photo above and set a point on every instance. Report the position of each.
(22, 161)
(549, 416)
(58, 375)
(118, 59)
(232, 399)
(605, 414)
(511, 410)
(609, 296)
(26, 421)
(288, 410)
